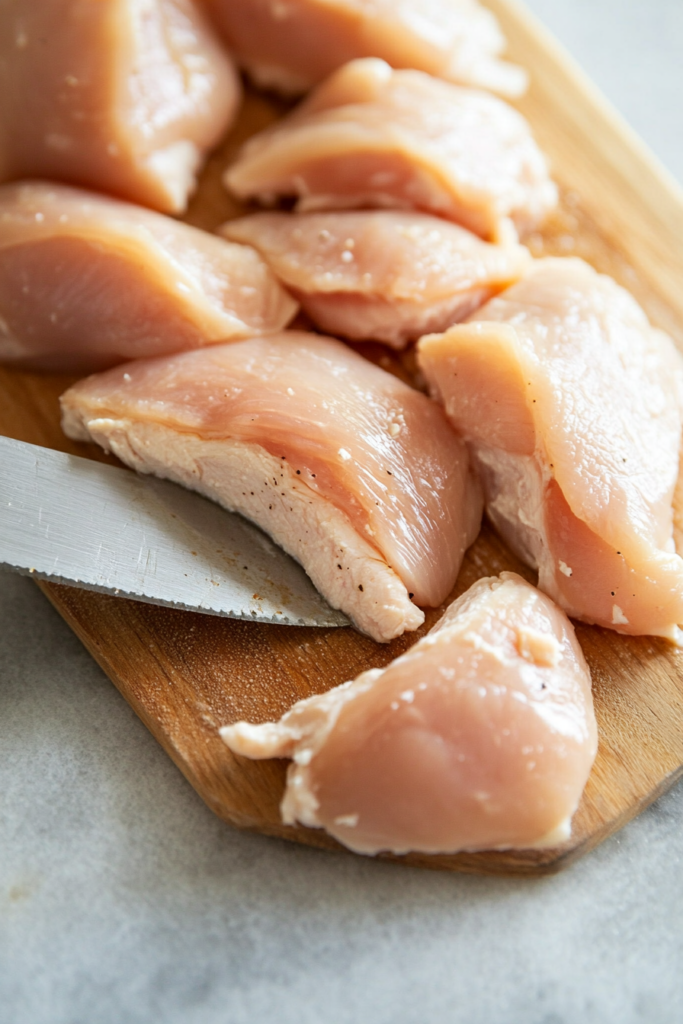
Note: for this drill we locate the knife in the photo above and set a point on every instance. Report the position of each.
(73, 521)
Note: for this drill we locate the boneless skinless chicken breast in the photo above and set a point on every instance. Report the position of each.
(291, 45)
(355, 474)
(86, 282)
(481, 736)
(124, 96)
(570, 403)
(371, 136)
(386, 275)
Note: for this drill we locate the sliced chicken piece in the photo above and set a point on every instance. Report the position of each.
(87, 282)
(386, 275)
(123, 96)
(571, 405)
(482, 736)
(351, 471)
(370, 136)
(291, 45)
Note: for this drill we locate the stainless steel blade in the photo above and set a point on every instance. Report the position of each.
(79, 522)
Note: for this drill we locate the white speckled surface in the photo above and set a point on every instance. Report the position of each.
(123, 900)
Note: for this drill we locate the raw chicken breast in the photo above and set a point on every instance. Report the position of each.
(380, 274)
(86, 282)
(370, 136)
(571, 405)
(481, 736)
(290, 45)
(354, 473)
(124, 96)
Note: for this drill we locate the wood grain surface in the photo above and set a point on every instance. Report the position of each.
(186, 674)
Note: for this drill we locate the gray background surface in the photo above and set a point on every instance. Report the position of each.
(122, 899)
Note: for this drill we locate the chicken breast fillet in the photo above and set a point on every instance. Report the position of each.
(354, 473)
(386, 275)
(123, 96)
(293, 44)
(370, 136)
(482, 736)
(87, 282)
(570, 403)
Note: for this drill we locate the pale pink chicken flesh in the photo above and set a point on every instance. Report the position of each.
(123, 96)
(370, 136)
(291, 45)
(570, 403)
(386, 275)
(354, 473)
(87, 282)
(482, 736)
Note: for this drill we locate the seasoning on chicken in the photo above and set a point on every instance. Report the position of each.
(570, 403)
(370, 136)
(482, 736)
(355, 474)
(291, 45)
(386, 275)
(87, 282)
(123, 96)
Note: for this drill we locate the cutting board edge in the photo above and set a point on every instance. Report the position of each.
(505, 863)
(660, 186)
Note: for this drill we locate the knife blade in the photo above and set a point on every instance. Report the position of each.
(85, 524)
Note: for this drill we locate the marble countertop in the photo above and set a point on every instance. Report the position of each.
(124, 900)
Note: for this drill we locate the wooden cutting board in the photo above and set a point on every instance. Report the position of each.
(187, 674)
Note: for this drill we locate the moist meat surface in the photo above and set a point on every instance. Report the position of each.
(571, 405)
(354, 473)
(370, 136)
(124, 96)
(87, 282)
(387, 275)
(481, 736)
(458, 40)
